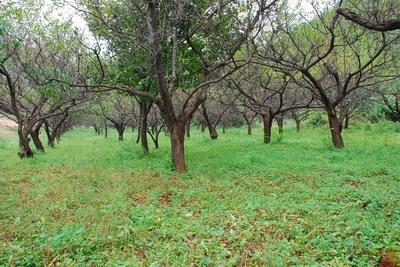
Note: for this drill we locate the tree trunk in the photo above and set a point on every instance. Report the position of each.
(249, 123)
(267, 124)
(335, 125)
(156, 143)
(35, 137)
(25, 149)
(188, 128)
(138, 136)
(223, 128)
(298, 123)
(279, 121)
(249, 128)
(120, 130)
(211, 127)
(50, 137)
(105, 129)
(143, 134)
(177, 136)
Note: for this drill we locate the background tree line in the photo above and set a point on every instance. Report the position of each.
(164, 66)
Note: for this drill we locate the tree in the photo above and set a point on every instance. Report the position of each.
(370, 21)
(196, 47)
(116, 108)
(327, 56)
(269, 94)
(31, 50)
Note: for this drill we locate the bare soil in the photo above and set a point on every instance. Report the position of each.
(7, 127)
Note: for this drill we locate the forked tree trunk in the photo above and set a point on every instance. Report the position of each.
(177, 136)
(120, 130)
(335, 125)
(35, 137)
(25, 149)
(267, 124)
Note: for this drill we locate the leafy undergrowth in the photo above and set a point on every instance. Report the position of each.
(91, 201)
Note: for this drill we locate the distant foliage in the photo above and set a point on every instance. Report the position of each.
(317, 119)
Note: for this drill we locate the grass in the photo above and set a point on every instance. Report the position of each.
(298, 201)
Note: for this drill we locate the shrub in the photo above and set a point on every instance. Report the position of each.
(317, 119)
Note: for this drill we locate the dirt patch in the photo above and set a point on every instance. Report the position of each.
(391, 259)
(165, 199)
(7, 128)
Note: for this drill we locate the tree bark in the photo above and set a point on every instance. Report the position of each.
(120, 130)
(188, 128)
(120, 135)
(138, 136)
(334, 125)
(35, 137)
(249, 124)
(177, 134)
(279, 121)
(25, 149)
(50, 138)
(267, 124)
(105, 129)
(143, 128)
(211, 128)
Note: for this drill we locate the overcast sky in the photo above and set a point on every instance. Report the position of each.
(67, 12)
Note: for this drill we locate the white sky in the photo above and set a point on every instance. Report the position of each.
(68, 12)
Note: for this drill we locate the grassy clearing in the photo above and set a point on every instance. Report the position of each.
(294, 202)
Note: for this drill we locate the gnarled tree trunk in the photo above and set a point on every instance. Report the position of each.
(211, 127)
(23, 134)
(36, 138)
